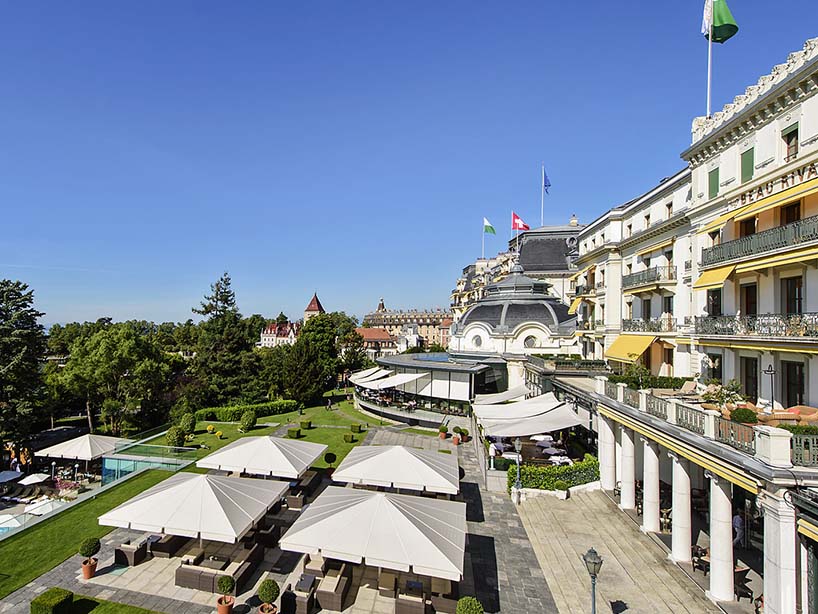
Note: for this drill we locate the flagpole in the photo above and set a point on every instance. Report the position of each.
(710, 57)
(542, 197)
(483, 235)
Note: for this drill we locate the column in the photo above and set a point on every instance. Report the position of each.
(650, 486)
(606, 443)
(721, 539)
(681, 516)
(780, 550)
(627, 497)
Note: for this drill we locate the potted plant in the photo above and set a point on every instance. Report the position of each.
(88, 548)
(224, 604)
(442, 430)
(464, 435)
(469, 605)
(268, 592)
(456, 438)
(744, 415)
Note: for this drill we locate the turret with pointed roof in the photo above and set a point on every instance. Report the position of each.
(314, 308)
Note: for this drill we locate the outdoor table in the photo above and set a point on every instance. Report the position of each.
(217, 563)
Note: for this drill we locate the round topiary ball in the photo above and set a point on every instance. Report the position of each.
(89, 547)
(268, 591)
(468, 605)
(226, 584)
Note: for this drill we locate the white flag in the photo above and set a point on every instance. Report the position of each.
(707, 17)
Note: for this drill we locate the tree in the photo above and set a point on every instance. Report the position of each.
(437, 348)
(253, 327)
(281, 318)
(272, 371)
(305, 375)
(353, 355)
(22, 347)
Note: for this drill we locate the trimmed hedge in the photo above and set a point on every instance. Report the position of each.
(306, 424)
(248, 420)
(233, 413)
(469, 605)
(294, 433)
(800, 429)
(649, 381)
(545, 477)
(743, 414)
(53, 601)
(355, 428)
(349, 438)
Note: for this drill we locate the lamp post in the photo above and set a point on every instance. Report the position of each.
(53, 468)
(518, 446)
(770, 370)
(76, 469)
(593, 563)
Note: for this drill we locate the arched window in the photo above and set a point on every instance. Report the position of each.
(530, 341)
(477, 341)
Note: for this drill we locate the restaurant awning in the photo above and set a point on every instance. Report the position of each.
(714, 278)
(376, 375)
(518, 410)
(265, 455)
(400, 467)
(556, 419)
(720, 221)
(85, 447)
(380, 529)
(656, 246)
(782, 198)
(500, 397)
(362, 374)
(392, 381)
(574, 306)
(628, 348)
(8, 476)
(801, 255)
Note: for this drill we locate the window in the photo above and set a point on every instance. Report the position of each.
(647, 220)
(629, 311)
(793, 291)
(667, 304)
(667, 356)
(628, 230)
(628, 269)
(646, 309)
(713, 183)
(477, 341)
(714, 366)
(530, 341)
(646, 260)
(714, 302)
(747, 164)
(747, 227)
(669, 257)
(669, 209)
(749, 299)
(790, 213)
(792, 383)
(790, 137)
(749, 378)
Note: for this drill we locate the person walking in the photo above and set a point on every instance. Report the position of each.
(738, 527)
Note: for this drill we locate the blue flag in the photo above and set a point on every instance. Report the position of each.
(545, 182)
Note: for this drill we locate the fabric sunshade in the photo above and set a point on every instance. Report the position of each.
(204, 506)
(86, 447)
(558, 418)
(778, 260)
(361, 374)
(516, 411)
(714, 278)
(628, 348)
(720, 221)
(34, 478)
(574, 306)
(8, 476)
(285, 458)
(399, 532)
(376, 375)
(500, 397)
(400, 467)
(782, 198)
(392, 381)
(655, 247)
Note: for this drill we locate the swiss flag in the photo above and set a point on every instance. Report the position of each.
(517, 222)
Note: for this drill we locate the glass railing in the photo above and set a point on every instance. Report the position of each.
(790, 235)
(649, 276)
(665, 324)
(765, 325)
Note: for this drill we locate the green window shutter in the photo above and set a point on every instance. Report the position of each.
(789, 129)
(747, 163)
(713, 183)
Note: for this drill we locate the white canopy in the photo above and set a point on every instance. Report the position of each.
(392, 381)
(194, 505)
(265, 455)
(376, 375)
(400, 467)
(518, 410)
(383, 530)
(501, 397)
(8, 476)
(85, 447)
(34, 478)
(361, 374)
(560, 417)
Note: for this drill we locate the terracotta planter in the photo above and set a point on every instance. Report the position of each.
(442, 435)
(224, 604)
(267, 608)
(456, 440)
(89, 568)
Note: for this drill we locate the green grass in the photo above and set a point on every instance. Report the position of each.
(426, 432)
(334, 438)
(83, 605)
(35, 551)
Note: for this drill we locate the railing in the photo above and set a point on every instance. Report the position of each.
(599, 323)
(665, 324)
(766, 325)
(631, 397)
(736, 435)
(688, 266)
(770, 240)
(610, 390)
(579, 365)
(649, 276)
(600, 285)
(584, 289)
(690, 418)
(805, 450)
(657, 407)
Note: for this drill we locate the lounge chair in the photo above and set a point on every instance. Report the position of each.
(316, 565)
(688, 388)
(130, 554)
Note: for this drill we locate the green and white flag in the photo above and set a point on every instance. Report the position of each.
(488, 228)
(719, 19)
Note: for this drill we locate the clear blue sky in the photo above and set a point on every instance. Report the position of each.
(346, 147)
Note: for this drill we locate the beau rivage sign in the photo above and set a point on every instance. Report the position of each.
(779, 184)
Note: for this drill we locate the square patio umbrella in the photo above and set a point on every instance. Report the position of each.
(85, 447)
(265, 455)
(34, 478)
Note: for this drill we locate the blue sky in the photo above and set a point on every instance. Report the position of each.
(346, 147)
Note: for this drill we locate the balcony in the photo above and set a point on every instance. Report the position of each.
(665, 324)
(599, 323)
(766, 241)
(600, 286)
(584, 290)
(654, 275)
(797, 325)
(688, 266)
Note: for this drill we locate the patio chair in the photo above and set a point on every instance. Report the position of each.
(387, 584)
(269, 537)
(333, 587)
(316, 565)
(129, 554)
(688, 388)
(742, 591)
(698, 560)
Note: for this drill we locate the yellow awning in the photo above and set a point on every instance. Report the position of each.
(574, 306)
(801, 255)
(776, 200)
(582, 272)
(714, 278)
(805, 527)
(628, 348)
(655, 247)
(720, 221)
(760, 346)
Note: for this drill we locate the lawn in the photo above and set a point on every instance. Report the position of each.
(36, 550)
(334, 438)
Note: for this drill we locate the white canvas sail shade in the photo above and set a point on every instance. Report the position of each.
(85, 447)
(517, 410)
(392, 381)
(285, 458)
(362, 374)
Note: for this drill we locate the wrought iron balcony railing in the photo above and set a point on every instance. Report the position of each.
(688, 266)
(649, 276)
(790, 235)
(599, 323)
(583, 289)
(665, 324)
(766, 325)
(600, 285)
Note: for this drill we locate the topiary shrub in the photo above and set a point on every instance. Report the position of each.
(469, 605)
(545, 477)
(175, 437)
(53, 601)
(219, 434)
(188, 424)
(268, 591)
(743, 414)
(89, 547)
(306, 424)
(800, 429)
(464, 433)
(294, 433)
(443, 429)
(457, 430)
(330, 458)
(355, 428)
(349, 438)
(248, 421)
(561, 485)
(226, 584)
(211, 429)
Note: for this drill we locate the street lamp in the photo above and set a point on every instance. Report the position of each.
(76, 468)
(593, 563)
(518, 445)
(770, 370)
(53, 467)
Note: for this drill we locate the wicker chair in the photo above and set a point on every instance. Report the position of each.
(130, 554)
